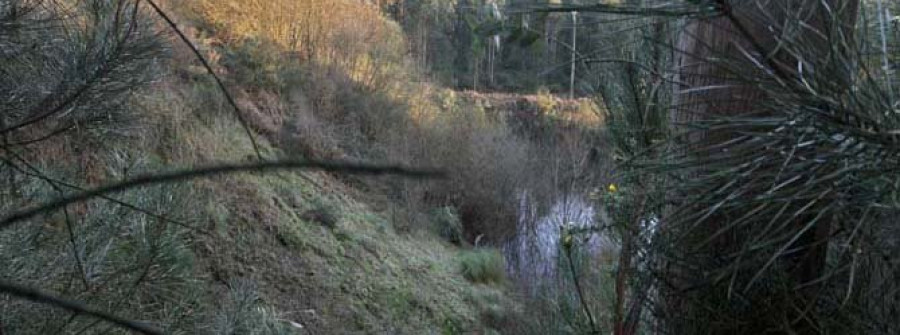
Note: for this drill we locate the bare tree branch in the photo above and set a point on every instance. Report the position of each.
(183, 175)
(38, 296)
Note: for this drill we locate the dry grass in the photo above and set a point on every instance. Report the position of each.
(352, 36)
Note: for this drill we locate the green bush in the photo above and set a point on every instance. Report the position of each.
(71, 67)
(102, 254)
(483, 266)
(447, 224)
(257, 63)
(244, 312)
(323, 213)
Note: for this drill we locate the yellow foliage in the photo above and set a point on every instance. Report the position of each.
(350, 35)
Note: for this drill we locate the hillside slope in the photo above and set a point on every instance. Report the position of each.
(327, 261)
(320, 256)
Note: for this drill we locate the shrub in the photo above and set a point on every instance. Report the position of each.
(547, 103)
(307, 135)
(256, 63)
(353, 37)
(485, 162)
(104, 255)
(483, 266)
(740, 183)
(447, 224)
(244, 313)
(74, 67)
(322, 213)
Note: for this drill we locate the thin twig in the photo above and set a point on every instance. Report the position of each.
(581, 297)
(209, 69)
(36, 173)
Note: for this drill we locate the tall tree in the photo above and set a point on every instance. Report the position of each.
(462, 41)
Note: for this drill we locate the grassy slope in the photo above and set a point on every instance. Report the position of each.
(356, 276)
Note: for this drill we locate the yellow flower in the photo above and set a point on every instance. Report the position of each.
(612, 188)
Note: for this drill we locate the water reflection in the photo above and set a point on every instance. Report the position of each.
(532, 255)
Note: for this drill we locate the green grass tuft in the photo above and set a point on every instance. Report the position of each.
(447, 225)
(483, 266)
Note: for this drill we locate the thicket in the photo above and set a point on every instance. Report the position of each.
(756, 190)
(69, 74)
(756, 160)
(483, 266)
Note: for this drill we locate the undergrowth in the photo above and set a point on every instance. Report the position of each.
(483, 266)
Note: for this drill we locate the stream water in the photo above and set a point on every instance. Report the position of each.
(532, 254)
